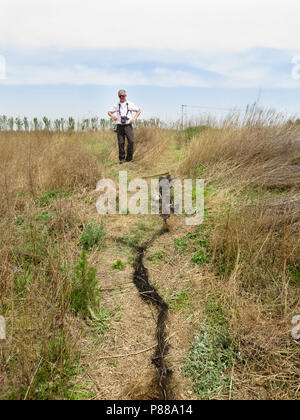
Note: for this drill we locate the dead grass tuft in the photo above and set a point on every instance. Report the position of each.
(258, 154)
(31, 162)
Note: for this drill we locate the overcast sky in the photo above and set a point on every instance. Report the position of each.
(160, 43)
(210, 25)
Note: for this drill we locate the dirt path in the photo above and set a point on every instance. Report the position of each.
(120, 364)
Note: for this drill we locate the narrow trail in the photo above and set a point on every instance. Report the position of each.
(149, 294)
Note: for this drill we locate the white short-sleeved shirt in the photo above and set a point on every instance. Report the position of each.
(132, 109)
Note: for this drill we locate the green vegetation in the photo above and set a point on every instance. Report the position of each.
(139, 232)
(93, 236)
(195, 240)
(199, 258)
(294, 271)
(86, 293)
(86, 297)
(211, 356)
(46, 198)
(232, 283)
(191, 132)
(182, 300)
(58, 366)
(70, 124)
(156, 257)
(55, 373)
(180, 244)
(118, 265)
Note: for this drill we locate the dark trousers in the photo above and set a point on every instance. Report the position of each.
(125, 131)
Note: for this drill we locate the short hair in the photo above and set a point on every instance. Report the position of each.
(122, 91)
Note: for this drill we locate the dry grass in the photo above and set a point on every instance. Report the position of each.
(251, 234)
(149, 145)
(252, 170)
(35, 304)
(39, 230)
(257, 154)
(257, 237)
(32, 162)
(256, 252)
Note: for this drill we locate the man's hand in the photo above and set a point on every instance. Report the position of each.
(136, 117)
(114, 117)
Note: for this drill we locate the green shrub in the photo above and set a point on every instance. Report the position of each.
(199, 258)
(44, 217)
(86, 293)
(59, 365)
(46, 198)
(118, 265)
(86, 296)
(180, 244)
(93, 236)
(190, 132)
(295, 274)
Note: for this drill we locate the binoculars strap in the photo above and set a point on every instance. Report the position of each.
(120, 109)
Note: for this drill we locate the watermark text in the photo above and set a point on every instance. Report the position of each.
(165, 196)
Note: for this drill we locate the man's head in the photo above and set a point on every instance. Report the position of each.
(122, 95)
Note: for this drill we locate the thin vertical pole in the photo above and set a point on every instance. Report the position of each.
(182, 110)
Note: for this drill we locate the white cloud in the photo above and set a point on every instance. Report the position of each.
(214, 25)
(82, 75)
(76, 75)
(161, 75)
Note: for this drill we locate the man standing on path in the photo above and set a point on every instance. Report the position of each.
(127, 113)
